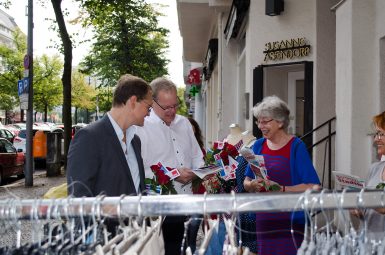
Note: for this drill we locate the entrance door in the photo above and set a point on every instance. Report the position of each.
(293, 83)
(296, 102)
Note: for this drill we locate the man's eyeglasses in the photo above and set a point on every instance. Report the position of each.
(168, 108)
(379, 135)
(262, 122)
(149, 107)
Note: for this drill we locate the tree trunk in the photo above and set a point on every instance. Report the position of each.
(76, 115)
(66, 78)
(45, 112)
(21, 115)
(7, 117)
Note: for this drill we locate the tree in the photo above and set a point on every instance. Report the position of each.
(127, 39)
(104, 99)
(83, 95)
(11, 70)
(182, 110)
(66, 77)
(47, 89)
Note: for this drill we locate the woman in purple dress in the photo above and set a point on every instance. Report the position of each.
(289, 167)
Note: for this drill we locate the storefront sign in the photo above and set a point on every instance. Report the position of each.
(286, 49)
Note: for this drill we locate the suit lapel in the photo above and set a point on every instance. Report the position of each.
(137, 148)
(116, 148)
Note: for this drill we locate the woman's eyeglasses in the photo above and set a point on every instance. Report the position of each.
(168, 108)
(262, 122)
(379, 135)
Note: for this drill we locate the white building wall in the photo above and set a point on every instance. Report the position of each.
(229, 83)
(296, 21)
(380, 57)
(324, 92)
(356, 57)
(343, 84)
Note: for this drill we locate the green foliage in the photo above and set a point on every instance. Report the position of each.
(47, 87)
(46, 79)
(83, 95)
(127, 39)
(11, 70)
(182, 110)
(104, 99)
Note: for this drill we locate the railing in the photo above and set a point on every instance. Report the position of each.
(328, 139)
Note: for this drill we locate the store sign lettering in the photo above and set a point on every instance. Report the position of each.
(286, 49)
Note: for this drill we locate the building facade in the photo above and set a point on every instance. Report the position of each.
(7, 25)
(325, 58)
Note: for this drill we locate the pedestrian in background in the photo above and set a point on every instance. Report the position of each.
(169, 138)
(196, 219)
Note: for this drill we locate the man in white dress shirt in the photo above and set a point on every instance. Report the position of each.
(168, 138)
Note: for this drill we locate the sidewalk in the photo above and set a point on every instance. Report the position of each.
(41, 184)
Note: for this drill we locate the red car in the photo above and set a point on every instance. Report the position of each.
(11, 160)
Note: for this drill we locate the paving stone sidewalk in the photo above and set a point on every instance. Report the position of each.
(41, 184)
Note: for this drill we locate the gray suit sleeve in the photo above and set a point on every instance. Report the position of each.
(82, 164)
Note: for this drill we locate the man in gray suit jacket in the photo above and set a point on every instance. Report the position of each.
(105, 157)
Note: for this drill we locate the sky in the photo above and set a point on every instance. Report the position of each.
(43, 35)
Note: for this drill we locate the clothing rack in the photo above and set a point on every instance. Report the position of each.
(12, 209)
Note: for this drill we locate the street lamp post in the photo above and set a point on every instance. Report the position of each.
(29, 168)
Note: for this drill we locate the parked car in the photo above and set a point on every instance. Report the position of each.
(11, 160)
(19, 125)
(76, 128)
(12, 129)
(5, 133)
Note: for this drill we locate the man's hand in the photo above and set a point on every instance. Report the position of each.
(186, 175)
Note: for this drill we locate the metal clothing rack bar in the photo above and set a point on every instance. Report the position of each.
(12, 209)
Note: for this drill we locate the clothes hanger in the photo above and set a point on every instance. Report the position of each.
(326, 218)
(361, 207)
(186, 225)
(36, 238)
(208, 233)
(122, 228)
(310, 248)
(133, 244)
(133, 234)
(313, 227)
(300, 250)
(102, 228)
(16, 221)
(230, 224)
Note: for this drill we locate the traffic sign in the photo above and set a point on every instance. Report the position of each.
(23, 86)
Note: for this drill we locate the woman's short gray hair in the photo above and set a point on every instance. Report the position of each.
(273, 107)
